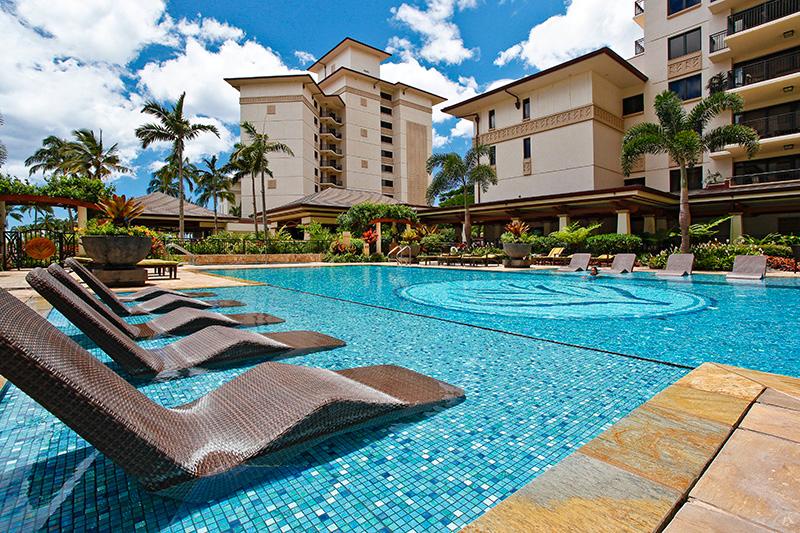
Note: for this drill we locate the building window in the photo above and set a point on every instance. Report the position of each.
(387, 153)
(387, 168)
(364, 163)
(387, 183)
(363, 132)
(633, 104)
(491, 119)
(316, 138)
(386, 96)
(785, 164)
(316, 172)
(316, 155)
(683, 44)
(386, 125)
(492, 155)
(526, 108)
(316, 121)
(675, 6)
(386, 110)
(271, 109)
(634, 181)
(386, 139)
(693, 175)
(526, 148)
(363, 102)
(688, 88)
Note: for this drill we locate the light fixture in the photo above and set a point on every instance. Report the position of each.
(788, 146)
(788, 34)
(788, 88)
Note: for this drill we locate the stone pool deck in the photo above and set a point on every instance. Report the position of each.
(718, 451)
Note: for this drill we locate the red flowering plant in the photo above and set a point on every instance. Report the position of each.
(370, 236)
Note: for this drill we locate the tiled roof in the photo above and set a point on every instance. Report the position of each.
(334, 197)
(158, 204)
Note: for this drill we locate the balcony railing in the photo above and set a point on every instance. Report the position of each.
(330, 131)
(331, 147)
(638, 46)
(330, 115)
(718, 42)
(761, 14)
(330, 163)
(768, 69)
(638, 7)
(330, 180)
(773, 126)
(766, 177)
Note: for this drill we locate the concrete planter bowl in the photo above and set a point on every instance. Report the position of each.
(517, 250)
(116, 250)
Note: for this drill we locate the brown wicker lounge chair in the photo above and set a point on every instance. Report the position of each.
(212, 346)
(139, 296)
(623, 264)
(163, 303)
(219, 442)
(577, 263)
(752, 267)
(678, 265)
(178, 322)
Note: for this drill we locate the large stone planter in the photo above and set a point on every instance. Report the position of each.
(116, 251)
(517, 250)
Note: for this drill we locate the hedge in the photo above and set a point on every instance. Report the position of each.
(614, 243)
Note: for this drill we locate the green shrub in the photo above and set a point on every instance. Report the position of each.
(542, 244)
(714, 255)
(357, 218)
(432, 242)
(574, 236)
(613, 243)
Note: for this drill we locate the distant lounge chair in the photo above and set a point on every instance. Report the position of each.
(577, 263)
(749, 267)
(623, 264)
(159, 304)
(678, 265)
(211, 346)
(219, 442)
(139, 296)
(181, 321)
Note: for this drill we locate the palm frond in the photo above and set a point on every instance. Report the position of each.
(744, 136)
(639, 140)
(669, 110)
(711, 106)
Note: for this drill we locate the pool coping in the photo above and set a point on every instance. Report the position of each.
(685, 460)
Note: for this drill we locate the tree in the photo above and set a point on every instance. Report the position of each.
(172, 127)
(51, 157)
(254, 155)
(455, 198)
(238, 166)
(460, 173)
(87, 156)
(214, 184)
(165, 178)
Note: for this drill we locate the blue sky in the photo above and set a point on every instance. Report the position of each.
(92, 63)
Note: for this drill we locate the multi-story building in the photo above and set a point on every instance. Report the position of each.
(556, 136)
(347, 128)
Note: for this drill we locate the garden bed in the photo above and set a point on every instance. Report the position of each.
(248, 259)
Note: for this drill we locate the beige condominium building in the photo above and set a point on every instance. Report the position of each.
(347, 127)
(556, 136)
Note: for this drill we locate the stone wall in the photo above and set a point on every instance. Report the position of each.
(249, 259)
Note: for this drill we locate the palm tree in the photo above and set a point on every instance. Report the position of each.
(463, 174)
(682, 136)
(88, 156)
(237, 166)
(174, 128)
(214, 184)
(165, 178)
(254, 161)
(3, 151)
(51, 157)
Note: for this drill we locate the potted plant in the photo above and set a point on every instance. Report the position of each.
(410, 238)
(517, 242)
(112, 241)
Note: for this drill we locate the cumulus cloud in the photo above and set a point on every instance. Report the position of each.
(586, 25)
(439, 140)
(209, 30)
(304, 57)
(463, 128)
(442, 42)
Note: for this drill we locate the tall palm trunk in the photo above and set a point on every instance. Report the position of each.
(255, 209)
(264, 204)
(684, 217)
(467, 219)
(214, 193)
(180, 194)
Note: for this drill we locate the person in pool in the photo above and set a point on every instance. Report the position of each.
(593, 271)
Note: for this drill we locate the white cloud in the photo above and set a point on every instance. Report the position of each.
(498, 83)
(304, 57)
(463, 128)
(209, 30)
(439, 140)
(442, 40)
(586, 25)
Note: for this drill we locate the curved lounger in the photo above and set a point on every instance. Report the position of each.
(162, 303)
(678, 265)
(203, 450)
(208, 347)
(622, 264)
(749, 267)
(182, 321)
(577, 263)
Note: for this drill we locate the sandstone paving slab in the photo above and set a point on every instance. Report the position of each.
(773, 420)
(713, 378)
(755, 476)
(773, 397)
(670, 447)
(785, 384)
(695, 517)
(702, 404)
(582, 494)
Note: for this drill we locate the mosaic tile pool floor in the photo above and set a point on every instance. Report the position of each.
(529, 404)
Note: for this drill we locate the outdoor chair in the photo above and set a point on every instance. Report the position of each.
(219, 442)
(752, 267)
(678, 265)
(623, 264)
(181, 321)
(577, 263)
(159, 304)
(212, 346)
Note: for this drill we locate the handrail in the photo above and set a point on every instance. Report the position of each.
(765, 177)
(765, 69)
(773, 125)
(761, 14)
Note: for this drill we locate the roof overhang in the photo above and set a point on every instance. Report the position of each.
(306, 79)
(604, 62)
(340, 71)
(750, 199)
(349, 42)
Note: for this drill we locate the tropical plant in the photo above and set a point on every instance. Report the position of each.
(87, 156)
(517, 231)
(370, 236)
(425, 230)
(574, 235)
(214, 185)
(359, 217)
(456, 198)
(252, 158)
(165, 179)
(614, 243)
(682, 136)
(3, 150)
(50, 158)
(703, 231)
(120, 210)
(432, 242)
(235, 210)
(409, 236)
(174, 128)
(316, 232)
(76, 187)
(464, 173)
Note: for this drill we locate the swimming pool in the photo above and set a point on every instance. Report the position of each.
(533, 396)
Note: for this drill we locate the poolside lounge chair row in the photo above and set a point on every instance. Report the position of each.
(203, 449)
(745, 267)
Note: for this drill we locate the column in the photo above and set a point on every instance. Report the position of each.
(305, 221)
(624, 222)
(650, 224)
(737, 228)
(563, 221)
(83, 219)
(661, 224)
(378, 242)
(547, 227)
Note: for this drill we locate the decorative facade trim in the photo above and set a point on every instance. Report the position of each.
(412, 105)
(551, 122)
(684, 65)
(358, 92)
(527, 168)
(278, 99)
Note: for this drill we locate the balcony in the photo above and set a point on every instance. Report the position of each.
(638, 12)
(330, 150)
(330, 165)
(766, 26)
(759, 81)
(765, 177)
(773, 125)
(329, 116)
(330, 132)
(330, 181)
(638, 46)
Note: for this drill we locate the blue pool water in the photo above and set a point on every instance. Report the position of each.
(530, 402)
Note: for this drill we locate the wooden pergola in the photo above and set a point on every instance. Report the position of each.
(379, 221)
